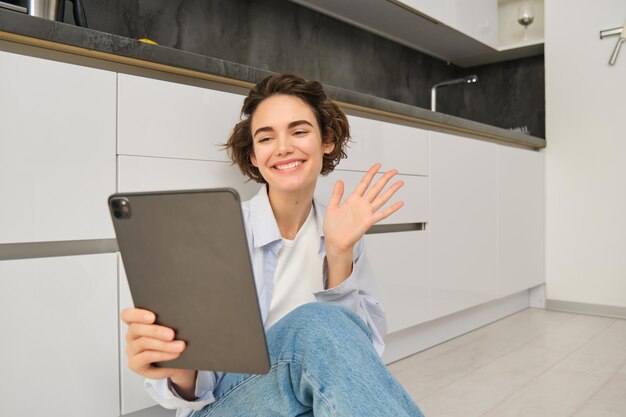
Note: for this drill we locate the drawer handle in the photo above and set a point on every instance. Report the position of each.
(396, 227)
(27, 250)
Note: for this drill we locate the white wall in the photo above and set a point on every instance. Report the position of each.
(586, 153)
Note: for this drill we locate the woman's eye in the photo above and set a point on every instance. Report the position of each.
(264, 139)
(300, 132)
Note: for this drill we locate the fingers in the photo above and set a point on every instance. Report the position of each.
(378, 186)
(365, 182)
(137, 315)
(382, 199)
(381, 215)
(137, 330)
(335, 197)
(147, 343)
(142, 362)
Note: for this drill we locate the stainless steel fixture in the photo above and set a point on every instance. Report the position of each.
(621, 32)
(50, 9)
(14, 7)
(433, 91)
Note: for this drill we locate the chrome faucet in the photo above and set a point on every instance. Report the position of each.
(433, 91)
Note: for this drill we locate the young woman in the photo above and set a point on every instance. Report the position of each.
(324, 326)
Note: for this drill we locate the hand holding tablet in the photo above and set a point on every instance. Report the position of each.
(187, 261)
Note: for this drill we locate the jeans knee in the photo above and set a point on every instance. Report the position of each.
(324, 324)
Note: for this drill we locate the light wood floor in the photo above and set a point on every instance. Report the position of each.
(535, 363)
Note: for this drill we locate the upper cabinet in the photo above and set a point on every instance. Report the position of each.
(477, 19)
(464, 32)
(514, 39)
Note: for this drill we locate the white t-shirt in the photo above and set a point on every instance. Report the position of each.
(298, 271)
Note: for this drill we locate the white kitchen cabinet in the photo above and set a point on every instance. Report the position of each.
(153, 174)
(57, 150)
(521, 205)
(400, 265)
(463, 223)
(394, 146)
(451, 30)
(475, 18)
(59, 322)
(171, 120)
(414, 194)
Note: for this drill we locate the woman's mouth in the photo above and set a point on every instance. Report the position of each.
(288, 165)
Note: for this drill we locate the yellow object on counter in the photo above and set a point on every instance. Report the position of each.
(146, 40)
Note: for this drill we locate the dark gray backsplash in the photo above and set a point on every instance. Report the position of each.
(508, 94)
(281, 36)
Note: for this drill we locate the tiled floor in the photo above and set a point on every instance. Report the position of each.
(535, 363)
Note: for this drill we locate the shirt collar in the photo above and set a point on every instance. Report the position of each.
(263, 223)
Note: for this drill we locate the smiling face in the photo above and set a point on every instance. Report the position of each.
(287, 144)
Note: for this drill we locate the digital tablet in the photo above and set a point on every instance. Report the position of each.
(186, 259)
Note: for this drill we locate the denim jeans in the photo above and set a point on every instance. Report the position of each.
(323, 364)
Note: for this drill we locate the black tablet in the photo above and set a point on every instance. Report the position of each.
(186, 259)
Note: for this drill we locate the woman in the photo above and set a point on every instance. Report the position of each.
(324, 327)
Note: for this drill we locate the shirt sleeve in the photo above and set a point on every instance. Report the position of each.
(162, 391)
(358, 292)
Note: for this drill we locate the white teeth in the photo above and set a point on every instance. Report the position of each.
(289, 165)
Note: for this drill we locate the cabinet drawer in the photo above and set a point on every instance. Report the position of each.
(152, 174)
(166, 119)
(59, 317)
(394, 146)
(400, 264)
(414, 194)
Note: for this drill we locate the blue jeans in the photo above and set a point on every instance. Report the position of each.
(323, 364)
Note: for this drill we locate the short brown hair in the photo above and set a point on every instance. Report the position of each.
(332, 121)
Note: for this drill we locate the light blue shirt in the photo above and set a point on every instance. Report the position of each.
(357, 292)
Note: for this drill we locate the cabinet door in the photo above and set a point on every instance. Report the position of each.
(475, 18)
(400, 264)
(57, 150)
(463, 222)
(521, 202)
(150, 174)
(393, 145)
(414, 194)
(165, 119)
(59, 322)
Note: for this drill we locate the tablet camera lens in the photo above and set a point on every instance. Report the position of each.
(120, 208)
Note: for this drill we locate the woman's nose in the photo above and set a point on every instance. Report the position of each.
(283, 145)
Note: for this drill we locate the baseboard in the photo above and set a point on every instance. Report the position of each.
(407, 342)
(156, 411)
(586, 308)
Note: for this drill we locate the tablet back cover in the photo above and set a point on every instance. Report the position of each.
(186, 259)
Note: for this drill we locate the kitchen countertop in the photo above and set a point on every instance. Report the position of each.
(23, 29)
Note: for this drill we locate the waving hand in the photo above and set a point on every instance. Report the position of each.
(345, 223)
